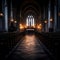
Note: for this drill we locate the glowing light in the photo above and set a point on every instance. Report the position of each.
(33, 22)
(21, 26)
(26, 22)
(28, 45)
(59, 14)
(51, 19)
(30, 21)
(45, 21)
(39, 26)
(12, 20)
(33, 26)
(25, 26)
(15, 21)
(29, 41)
(1, 14)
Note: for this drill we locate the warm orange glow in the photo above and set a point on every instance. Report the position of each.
(15, 21)
(30, 41)
(12, 20)
(51, 19)
(45, 21)
(21, 26)
(33, 26)
(25, 26)
(59, 14)
(39, 26)
(29, 26)
(1, 14)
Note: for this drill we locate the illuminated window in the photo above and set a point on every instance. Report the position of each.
(30, 21)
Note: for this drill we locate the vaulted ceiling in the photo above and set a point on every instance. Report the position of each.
(34, 7)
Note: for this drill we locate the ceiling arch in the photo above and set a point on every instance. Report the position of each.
(30, 6)
(30, 12)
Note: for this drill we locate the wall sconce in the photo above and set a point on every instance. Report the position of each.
(15, 21)
(1, 14)
(51, 20)
(45, 21)
(59, 14)
(11, 20)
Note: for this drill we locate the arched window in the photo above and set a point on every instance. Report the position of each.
(30, 21)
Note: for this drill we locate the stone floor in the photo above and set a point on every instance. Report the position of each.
(30, 48)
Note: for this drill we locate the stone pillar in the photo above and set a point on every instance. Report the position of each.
(46, 27)
(5, 12)
(49, 14)
(58, 20)
(44, 15)
(11, 11)
(1, 25)
(55, 16)
(6, 16)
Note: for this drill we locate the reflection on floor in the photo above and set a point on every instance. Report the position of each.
(29, 49)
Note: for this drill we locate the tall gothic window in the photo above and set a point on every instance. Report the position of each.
(30, 21)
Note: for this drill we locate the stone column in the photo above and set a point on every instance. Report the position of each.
(5, 12)
(6, 16)
(11, 12)
(44, 15)
(49, 14)
(55, 16)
